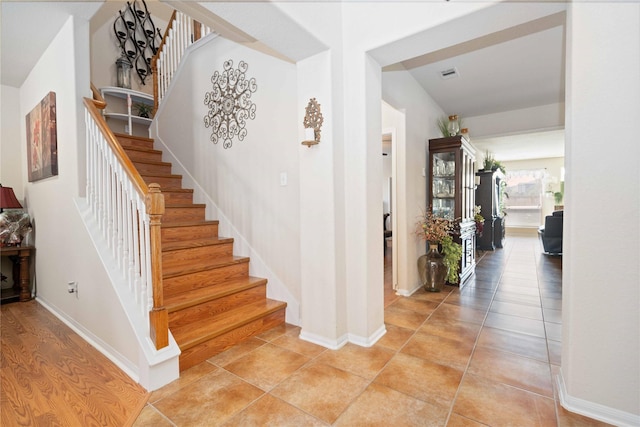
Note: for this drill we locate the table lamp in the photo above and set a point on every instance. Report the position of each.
(14, 225)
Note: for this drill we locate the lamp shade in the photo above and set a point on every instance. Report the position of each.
(8, 199)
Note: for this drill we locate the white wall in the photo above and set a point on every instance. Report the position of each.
(402, 91)
(10, 148)
(241, 184)
(64, 251)
(357, 166)
(601, 295)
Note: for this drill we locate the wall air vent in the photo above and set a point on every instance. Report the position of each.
(449, 73)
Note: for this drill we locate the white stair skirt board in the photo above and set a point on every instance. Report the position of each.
(594, 410)
(156, 368)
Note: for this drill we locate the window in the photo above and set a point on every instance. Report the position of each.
(523, 201)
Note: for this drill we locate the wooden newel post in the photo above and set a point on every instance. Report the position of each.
(158, 316)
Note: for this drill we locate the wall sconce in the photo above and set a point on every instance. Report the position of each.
(312, 123)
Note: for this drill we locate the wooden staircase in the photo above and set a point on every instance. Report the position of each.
(212, 301)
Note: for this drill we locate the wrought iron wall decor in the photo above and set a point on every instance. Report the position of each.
(137, 36)
(230, 103)
(312, 121)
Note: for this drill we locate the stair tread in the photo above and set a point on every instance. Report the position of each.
(185, 205)
(190, 335)
(160, 175)
(142, 149)
(215, 263)
(189, 223)
(126, 135)
(195, 243)
(153, 162)
(197, 296)
(177, 190)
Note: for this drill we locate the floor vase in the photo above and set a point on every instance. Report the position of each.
(432, 269)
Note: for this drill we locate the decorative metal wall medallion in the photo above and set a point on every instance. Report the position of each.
(230, 103)
(137, 36)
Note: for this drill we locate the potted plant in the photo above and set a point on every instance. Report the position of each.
(479, 219)
(443, 125)
(452, 252)
(489, 161)
(143, 110)
(436, 267)
(498, 165)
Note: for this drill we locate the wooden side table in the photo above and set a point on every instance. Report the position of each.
(21, 258)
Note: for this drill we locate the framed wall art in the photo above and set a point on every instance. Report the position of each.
(42, 139)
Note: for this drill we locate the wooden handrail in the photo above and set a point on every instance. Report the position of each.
(98, 100)
(130, 169)
(154, 205)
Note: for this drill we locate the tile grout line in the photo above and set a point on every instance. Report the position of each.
(475, 344)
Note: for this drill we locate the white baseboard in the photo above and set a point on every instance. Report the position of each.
(341, 341)
(594, 410)
(370, 340)
(323, 341)
(406, 292)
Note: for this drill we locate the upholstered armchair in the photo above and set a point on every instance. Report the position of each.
(551, 233)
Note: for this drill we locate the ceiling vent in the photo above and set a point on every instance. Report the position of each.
(449, 73)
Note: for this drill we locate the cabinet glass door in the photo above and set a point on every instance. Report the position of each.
(444, 184)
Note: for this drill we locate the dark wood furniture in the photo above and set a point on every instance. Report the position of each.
(488, 196)
(450, 192)
(20, 256)
(387, 233)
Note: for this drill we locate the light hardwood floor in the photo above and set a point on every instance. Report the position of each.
(52, 377)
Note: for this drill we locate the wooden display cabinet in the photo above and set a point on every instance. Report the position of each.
(451, 192)
(488, 196)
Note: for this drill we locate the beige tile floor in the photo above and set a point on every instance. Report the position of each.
(483, 355)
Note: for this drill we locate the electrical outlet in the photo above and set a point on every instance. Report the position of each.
(283, 179)
(72, 288)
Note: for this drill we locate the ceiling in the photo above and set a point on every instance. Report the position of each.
(521, 67)
(19, 52)
(518, 67)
